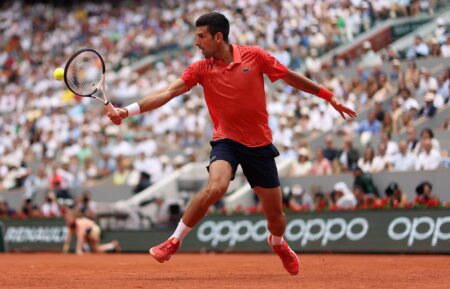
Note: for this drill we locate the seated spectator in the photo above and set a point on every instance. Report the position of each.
(366, 162)
(5, 210)
(298, 199)
(369, 57)
(403, 160)
(445, 48)
(429, 158)
(349, 155)
(396, 197)
(391, 146)
(429, 110)
(321, 166)
(29, 210)
(419, 49)
(330, 152)
(381, 161)
(427, 133)
(344, 198)
(371, 124)
(424, 192)
(411, 140)
(303, 165)
(63, 195)
(363, 182)
(86, 206)
(50, 209)
(144, 182)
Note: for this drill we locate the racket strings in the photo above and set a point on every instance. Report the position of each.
(84, 73)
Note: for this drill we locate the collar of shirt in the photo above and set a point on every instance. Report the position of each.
(236, 58)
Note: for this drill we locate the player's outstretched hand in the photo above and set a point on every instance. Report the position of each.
(122, 113)
(342, 109)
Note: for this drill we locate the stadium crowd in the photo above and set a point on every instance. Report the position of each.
(53, 140)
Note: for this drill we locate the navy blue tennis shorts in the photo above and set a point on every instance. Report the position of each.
(258, 163)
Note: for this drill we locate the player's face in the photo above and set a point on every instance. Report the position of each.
(205, 41)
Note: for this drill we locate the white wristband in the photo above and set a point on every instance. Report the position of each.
(133, 109)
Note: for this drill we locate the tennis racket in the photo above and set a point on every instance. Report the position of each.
(84, 75)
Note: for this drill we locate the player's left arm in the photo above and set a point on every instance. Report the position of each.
(302, 83)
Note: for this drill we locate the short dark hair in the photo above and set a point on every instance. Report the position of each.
(216, 23)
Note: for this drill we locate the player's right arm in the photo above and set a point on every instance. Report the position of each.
(152, 101)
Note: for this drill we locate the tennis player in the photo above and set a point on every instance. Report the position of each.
(233, 84)
(88, 235)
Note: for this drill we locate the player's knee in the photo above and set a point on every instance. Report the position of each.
(212, 194)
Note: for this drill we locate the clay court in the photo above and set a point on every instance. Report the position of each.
(222, 271)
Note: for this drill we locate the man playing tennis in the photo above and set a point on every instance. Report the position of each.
(233, 84)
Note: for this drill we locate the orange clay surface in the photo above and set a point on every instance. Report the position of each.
(254, 271)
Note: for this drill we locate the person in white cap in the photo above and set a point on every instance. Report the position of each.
(345, 199)
(369, 57)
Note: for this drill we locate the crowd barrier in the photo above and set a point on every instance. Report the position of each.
(388, 231)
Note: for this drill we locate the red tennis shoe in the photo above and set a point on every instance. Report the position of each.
(164, 251)
(287, 256)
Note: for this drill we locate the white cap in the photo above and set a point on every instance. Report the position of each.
(429, 96)
(303, 152)
(367, 44)
(342, 187)
(297, 190)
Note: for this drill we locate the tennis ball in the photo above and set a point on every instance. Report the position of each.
(58, 74)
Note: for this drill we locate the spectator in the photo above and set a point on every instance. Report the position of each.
(381, 161)
(363, 183)
(419, 49)
(412, 142)
(321, 166)
(445, 48)
(330, 152)
(427, 133)
(366, 162)
(86, 206)
(429, 110)
(396, 197)
(371, 124)
(303, 165)
(5, 210)
(425, 196)
(429, 158)
(29, 210)
(299, 200)
(404, 160)
(344, 198)
(369, 58)
(144, 182)
(50, 209)
(349, 155)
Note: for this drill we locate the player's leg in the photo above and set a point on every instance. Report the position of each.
(271, 201)
(259, 167)
(221, 171)
(220, 174)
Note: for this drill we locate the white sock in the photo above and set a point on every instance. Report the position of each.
(277, 240)
(181, 231)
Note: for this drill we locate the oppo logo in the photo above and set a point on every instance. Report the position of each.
(420, 228)
(305, 231)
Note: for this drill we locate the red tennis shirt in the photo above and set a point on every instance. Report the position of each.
(235, 95)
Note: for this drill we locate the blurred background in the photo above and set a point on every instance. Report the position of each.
(388, 60)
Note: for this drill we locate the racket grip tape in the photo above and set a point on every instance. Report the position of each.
(110, 108)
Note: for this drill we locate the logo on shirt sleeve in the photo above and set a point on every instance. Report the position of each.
(246, 69)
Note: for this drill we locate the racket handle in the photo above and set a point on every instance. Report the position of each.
(110, 108)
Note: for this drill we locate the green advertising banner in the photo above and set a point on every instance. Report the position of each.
(396, 231)
(34, 234)
(388, 231)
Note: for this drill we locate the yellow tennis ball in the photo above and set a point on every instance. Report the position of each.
(58, 74)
